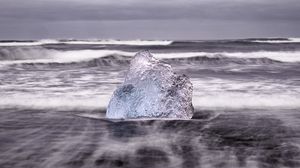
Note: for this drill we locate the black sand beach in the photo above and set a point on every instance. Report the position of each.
(39, 138)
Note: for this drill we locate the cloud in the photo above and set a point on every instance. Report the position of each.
(46, 10)
(150, 19)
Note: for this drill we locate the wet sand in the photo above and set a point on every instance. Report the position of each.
(52, 138)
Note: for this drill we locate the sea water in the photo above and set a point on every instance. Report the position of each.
(54, 94)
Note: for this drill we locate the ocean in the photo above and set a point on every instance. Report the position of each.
(54, 94)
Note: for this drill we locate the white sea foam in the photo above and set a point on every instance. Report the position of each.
(284, 56)
(65, 102)
(209, 93)
(54, 56)
(239, 100)
(35, 43)
(90, 42)
(208, 100)
(122, 42)
(289, 40)
(221, 93)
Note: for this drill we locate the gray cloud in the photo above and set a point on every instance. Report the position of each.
(133, 10)
(67, 13)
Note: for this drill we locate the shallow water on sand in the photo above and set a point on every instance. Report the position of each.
(46, 138)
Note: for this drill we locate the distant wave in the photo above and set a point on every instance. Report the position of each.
(90, 42)
(117, 61)
(275, 40)
(27, 43)
(26, 53)
(206, 100)
(11, 43)
(283, 56)
(41, 55)
(222, 60)
(123, 42)
(117, 57)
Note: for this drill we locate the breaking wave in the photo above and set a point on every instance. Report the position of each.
(123, 42)
(89, 42)
(277, 40)
(27, 43)
(39, 55)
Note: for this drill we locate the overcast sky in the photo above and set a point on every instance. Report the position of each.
(149, 19)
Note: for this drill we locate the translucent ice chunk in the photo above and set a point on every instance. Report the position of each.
(151, 90)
